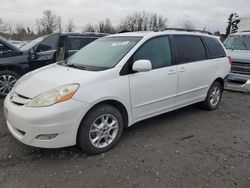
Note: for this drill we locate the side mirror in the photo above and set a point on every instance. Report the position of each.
(142, 66)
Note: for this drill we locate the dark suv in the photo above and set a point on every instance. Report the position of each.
(40, 52)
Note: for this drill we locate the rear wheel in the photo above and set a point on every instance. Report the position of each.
(7, 81)
(101, 129)
(213, 98)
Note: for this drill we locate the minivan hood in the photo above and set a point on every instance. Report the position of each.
(50, 77)
(4, 42)
(239, 55)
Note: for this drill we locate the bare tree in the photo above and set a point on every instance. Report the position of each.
(105, 27)
(20, 29)
(89, 28)
(157, 22)
(48, 23)
(20, 32)
(59, 24)
(187, 24)
(142, 21)
(3, 26)
(100, 27)
(217, 33)
(70, 27)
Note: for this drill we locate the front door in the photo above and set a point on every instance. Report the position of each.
(45, 52)
(154, 92)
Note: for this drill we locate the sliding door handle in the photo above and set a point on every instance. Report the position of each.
(182, 69)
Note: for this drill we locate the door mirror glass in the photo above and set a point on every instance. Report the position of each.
(142, 66)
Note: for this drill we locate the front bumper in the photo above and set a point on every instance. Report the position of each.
(238, 82)
(62, 120)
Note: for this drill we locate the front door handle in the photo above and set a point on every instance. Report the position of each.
(171, 72)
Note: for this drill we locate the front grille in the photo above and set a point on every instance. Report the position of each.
(240, 68)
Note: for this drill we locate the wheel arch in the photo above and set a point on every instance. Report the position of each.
(117, 104)
(121, 107)
(221, 81)
(17, 69)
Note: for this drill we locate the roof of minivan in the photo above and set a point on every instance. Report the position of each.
(153, 33)
(83, 34)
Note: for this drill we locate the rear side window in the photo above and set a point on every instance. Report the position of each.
(76, 43)
(215, 49)
(189, 49)
(156, 50)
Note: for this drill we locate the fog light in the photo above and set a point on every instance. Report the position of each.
(46, 136)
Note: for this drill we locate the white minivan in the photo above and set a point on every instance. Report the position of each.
(113, 83)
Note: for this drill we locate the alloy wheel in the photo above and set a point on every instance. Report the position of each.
(215, 96)
(104, 130)
(6, 84)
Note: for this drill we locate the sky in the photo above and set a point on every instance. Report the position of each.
(211, 14)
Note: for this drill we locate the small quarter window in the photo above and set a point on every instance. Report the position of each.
(215, 49)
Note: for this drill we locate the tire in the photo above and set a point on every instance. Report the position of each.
(213, 98)
(7, 81)
(99, 138)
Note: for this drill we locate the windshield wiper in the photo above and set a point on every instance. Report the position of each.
(77, 66)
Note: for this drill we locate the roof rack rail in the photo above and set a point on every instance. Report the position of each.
(188, 30)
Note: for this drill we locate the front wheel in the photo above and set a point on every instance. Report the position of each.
(100, 129)
(213, 98)
(7, 81)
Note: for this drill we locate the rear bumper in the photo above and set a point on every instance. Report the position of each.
(238, 82)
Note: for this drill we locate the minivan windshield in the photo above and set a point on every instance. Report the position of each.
(238, 42)
(103, 53)
(31, 44)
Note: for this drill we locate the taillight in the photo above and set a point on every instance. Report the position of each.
(230, 60)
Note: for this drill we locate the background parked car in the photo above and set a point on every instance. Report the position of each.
(40, 52)
(238, 47)
(18, 43)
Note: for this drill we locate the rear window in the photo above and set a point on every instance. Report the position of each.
(189, 49)
(215, 49)
(76, 43)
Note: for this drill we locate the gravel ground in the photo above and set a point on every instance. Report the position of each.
(189, 147)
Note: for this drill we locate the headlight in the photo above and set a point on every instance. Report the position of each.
(54, 96)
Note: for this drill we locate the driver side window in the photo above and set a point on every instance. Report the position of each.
(156, 50)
